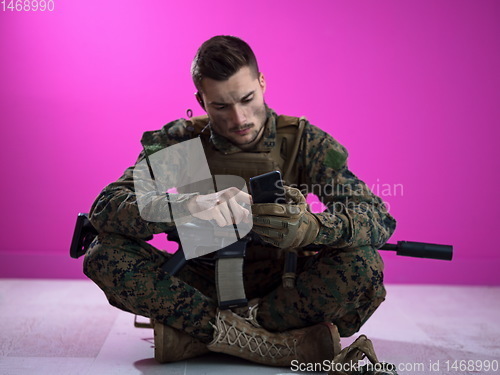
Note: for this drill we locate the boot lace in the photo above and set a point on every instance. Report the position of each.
(230, 334)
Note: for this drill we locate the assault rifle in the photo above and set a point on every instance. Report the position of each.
(84, 233)
(229, 259)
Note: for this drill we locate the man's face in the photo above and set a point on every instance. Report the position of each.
(236, 106)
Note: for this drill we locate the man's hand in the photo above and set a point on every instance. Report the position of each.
(287, 225)
(225, 207)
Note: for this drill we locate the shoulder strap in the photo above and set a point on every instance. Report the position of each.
(197, 124)
(294, 137)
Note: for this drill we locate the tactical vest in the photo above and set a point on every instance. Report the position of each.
(249, 164)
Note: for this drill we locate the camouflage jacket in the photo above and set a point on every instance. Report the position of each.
(354, 216)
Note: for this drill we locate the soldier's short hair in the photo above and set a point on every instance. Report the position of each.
(220, 57)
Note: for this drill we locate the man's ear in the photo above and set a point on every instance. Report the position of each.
(200, 99)
(262, 82)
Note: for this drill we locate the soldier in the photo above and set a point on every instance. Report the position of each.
(339, 279)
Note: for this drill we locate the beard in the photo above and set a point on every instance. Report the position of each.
(219, 124)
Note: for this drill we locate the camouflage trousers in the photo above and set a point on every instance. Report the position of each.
(343, 286)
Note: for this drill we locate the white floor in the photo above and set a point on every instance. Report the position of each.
(66, 327)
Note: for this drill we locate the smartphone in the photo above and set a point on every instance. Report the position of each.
(267, 188)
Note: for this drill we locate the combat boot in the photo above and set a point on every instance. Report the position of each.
(350, 356)
(245, 338)
(172, 345)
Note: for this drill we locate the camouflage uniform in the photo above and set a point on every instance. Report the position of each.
(341, 283)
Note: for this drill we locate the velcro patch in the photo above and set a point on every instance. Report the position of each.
(335, 159)
(151, 149)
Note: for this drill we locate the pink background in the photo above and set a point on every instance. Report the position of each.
(411, 88)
